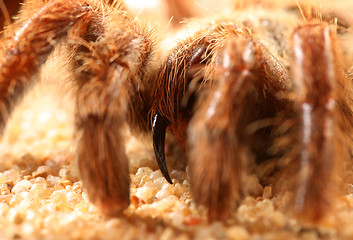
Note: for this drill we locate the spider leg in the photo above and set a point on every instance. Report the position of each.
(216, 158)
(108, 78)
(24, 51)
(324, 117)
(217, 136)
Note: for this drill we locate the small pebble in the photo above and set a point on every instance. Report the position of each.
(145, 193)
(21, 186)
(162, 194)
(43, 171)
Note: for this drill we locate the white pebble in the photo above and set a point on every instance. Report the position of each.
(159, 182)
(12, 174)
(27, 229)
(52, 180)
(162, 194)
(168, 187)
(145, 193)
(144, 171)
(164, 205)
(155, 175)
(21, 186)
(179, 189)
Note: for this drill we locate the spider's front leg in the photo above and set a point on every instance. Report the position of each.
(323, 95)
(110, 54)
(218, 155)
(109, 75)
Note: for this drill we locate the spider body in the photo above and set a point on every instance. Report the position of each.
(272, 91)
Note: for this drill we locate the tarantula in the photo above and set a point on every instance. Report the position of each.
(232, 92)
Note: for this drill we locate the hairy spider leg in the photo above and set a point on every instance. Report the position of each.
(109, 75)
(323, 103)
(217, 136)
(109, 62)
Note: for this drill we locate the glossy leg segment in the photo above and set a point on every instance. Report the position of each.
(217, 136)
(320, 102)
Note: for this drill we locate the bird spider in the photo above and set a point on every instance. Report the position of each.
(270, 88)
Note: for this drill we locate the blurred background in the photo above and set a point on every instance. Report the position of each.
(169, 13)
